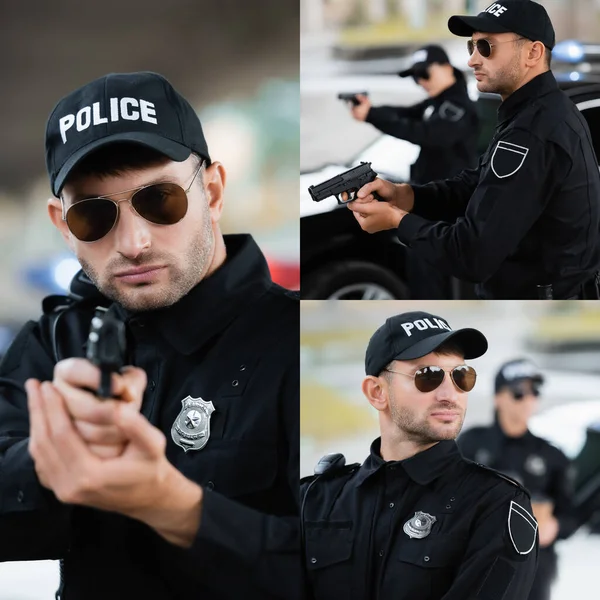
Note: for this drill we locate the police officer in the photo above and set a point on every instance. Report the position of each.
(445, 126)
(190, 487)
(543, 469)
(525, 224)
(416, 519)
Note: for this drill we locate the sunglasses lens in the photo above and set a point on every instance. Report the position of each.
(428, 379)
(464, 377)
(90, 220)
(483, 47)
(162, 204)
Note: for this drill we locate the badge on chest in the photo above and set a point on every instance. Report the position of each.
(419, 526)
(191, 428)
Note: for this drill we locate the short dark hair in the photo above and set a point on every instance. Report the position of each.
(548, 57)
(119, 158)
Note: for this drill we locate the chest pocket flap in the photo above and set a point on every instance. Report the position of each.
(328, 544)
(433, 552)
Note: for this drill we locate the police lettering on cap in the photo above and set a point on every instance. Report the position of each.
(414, 334)
(140, 108)
(515, 371)
(522, 17)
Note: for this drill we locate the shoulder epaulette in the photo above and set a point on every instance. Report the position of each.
(499, 474)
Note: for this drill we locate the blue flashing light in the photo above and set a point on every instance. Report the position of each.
(569, 51)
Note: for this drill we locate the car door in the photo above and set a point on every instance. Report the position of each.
(587, 100)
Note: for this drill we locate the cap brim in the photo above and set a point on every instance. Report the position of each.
(407, 72)
(473, 343)
(169, 148)
(466, 26)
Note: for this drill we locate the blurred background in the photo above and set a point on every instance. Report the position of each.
(237, 64)
(562, 338)
(354, 46)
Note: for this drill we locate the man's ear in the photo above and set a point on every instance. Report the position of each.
(55, 212)
(214, 178)
(535, 54)
(376, 391)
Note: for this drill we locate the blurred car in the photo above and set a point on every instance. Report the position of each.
(340, 261)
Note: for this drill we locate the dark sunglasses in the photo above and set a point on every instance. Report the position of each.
(165, 203)
(484, 47)
(420, 72)
(428, 379)
(519, 394)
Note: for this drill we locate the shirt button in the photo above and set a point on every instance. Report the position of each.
(210, 485)
(381, 553)
(448, 506)
(242, 367)
(235, 383)
(392, 505)
(20, 496)
(313, 560)
(152, 385)
(426, 558)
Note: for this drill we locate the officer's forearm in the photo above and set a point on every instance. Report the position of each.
(176, 517)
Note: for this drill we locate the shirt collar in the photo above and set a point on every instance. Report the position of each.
(422, 468)
(539, 86)
(215, 302)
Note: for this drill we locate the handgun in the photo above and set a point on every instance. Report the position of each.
(351, 97)
(106, 348)
(350, 182)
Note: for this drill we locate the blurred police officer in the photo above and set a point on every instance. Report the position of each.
(445, 126)
(416, 519)
(190, 488)
(543, 469)
(525, 223)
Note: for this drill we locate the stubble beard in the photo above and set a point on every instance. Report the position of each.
(418, 429)
(505, 81)
(184, 274)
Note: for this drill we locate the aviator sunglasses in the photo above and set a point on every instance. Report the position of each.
(484, 47)
(428, 379)
(163, 203)
(518, 393)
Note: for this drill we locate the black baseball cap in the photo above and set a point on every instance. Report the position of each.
(523, 17)
(411, 335)
(515, 371)
(424, 57)
(141, 108)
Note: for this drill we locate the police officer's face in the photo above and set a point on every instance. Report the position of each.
(140, 264)
(518, 402)
(431, 416)
(502, 72)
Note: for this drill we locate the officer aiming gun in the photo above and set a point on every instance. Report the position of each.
(349, 182)
(352, 97)
(106, 348)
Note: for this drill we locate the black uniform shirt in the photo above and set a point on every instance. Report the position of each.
(445, 127)
(233, 340)
(538, 465)
(479, 542)
(529, 214)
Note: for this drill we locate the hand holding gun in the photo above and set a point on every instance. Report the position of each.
(348, 182)
(106, 348)
(352, 97)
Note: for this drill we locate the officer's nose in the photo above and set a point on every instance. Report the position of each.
(132, 232)
(475, 59)
(447, 390)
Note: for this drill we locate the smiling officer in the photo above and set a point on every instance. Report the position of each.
(416, 519)
(525, 224)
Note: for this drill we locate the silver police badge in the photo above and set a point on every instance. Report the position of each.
(419, 526)
(191, 428)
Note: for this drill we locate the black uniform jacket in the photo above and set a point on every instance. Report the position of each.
(445, 127)
(233, 340)
(535, 463)
(529, 214)
(430, 527)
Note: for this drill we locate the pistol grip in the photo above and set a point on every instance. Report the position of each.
(105, 389)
